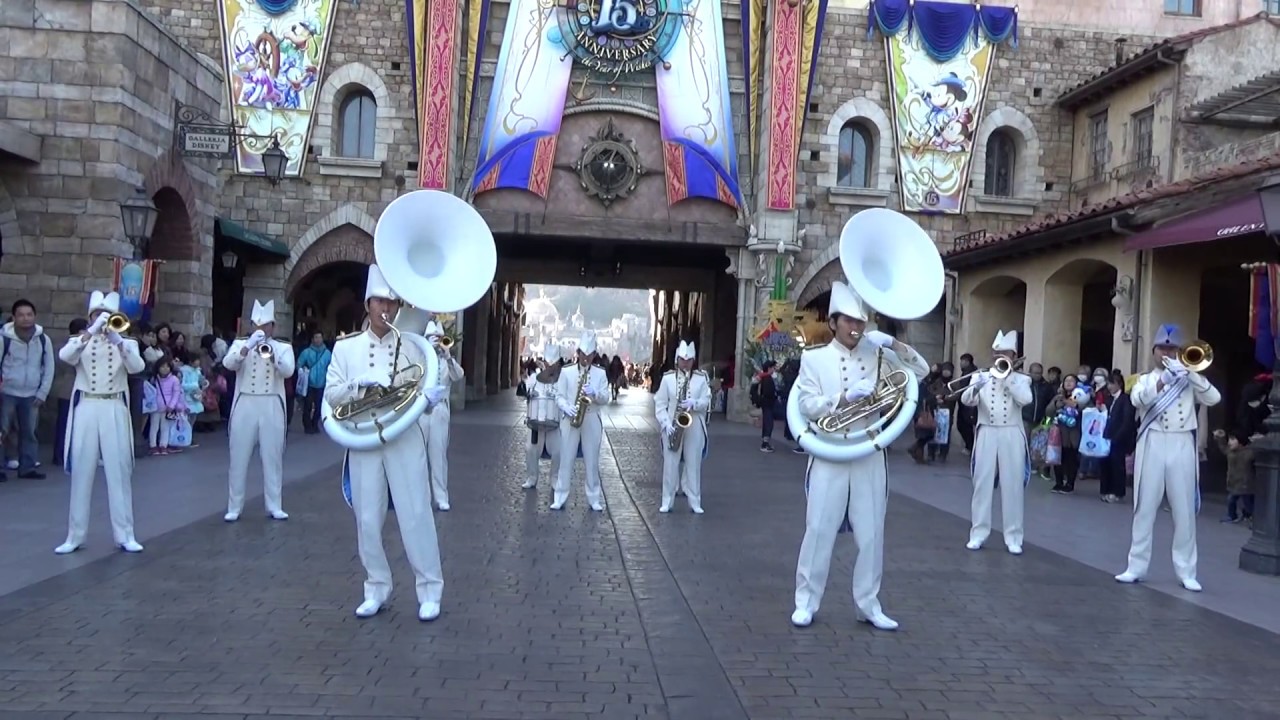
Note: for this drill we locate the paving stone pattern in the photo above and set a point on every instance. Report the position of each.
(626, 614)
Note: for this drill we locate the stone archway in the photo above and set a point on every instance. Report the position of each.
(177, 234)
(346, 215)
(1079, 322)
(998, 303)
(817, 278)
(344, 244)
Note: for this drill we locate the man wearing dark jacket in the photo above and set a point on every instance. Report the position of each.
(1122, 431)
(768, 393)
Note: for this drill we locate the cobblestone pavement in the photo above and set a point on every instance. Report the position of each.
(626, 614)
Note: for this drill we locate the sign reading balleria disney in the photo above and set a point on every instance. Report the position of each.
(619, 36)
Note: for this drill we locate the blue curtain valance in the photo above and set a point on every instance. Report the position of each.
(943, 27)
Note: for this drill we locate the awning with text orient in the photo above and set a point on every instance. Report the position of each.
(234, 231)
(1241, 216)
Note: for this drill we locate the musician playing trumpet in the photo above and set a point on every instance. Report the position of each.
(579, 392)
(683, 392)
(831, 377)
(1000, 446)
(542, 384)
(438, 419)
(362, 362)
(1166, 462)
(258, 411)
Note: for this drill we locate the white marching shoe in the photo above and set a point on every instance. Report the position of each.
(529, 484)
(428, 611)
(666, 508)
(369, 608)
(279, 515)
(1128, 578)
(973, 545)
(697, 510)
(67, 548)
(598, 507)
(231, 517)
(443, 507)
(801, 618)
(1191, 584)
(1015, 549)
(879, 621)
(131, 546)
(558, 504)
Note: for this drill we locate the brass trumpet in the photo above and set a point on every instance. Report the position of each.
(264, 349)
(118, 323)
(1196, 356)
(446, 342)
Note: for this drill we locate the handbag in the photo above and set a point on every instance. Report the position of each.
(180, 431)
(150, 398)
(1053, 450)
(926, 421)
(303, 382)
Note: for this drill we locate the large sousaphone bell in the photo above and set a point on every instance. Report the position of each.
(893, 265)
(437, 254)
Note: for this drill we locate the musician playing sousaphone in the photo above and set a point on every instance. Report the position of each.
(1166, 463)
(680, 407)
(1001, 443)
(543, 416)
(361, 363)
(855, 492)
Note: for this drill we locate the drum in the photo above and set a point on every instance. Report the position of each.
(544, 413)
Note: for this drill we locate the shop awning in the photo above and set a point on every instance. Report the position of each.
(235, 232)
(1241, 216)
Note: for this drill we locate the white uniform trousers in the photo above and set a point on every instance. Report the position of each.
(1165, 464)
(550, 440)
(438, 451)
(590, 435)
(101, 427)
(393, 467)
(1003, 450)
(857, 490)
(256, 421)
(689, 477)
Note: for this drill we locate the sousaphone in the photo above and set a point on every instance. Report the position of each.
(437, 254)
(894, 266)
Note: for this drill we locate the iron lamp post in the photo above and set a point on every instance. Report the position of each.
(139, 214)
(274, 162)
(1261, 554)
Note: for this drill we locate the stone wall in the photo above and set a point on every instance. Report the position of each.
(97, 80)
(852, 81)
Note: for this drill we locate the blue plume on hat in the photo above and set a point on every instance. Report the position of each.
(1168, 335)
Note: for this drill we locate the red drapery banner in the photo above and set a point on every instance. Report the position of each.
(1264, 280)
(135, 280)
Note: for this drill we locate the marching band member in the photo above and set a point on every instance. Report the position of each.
(543, 384)
(1000, 446)
(99, 425)
(856, 492)
(438, 419)
(590, 432)
(1166, 462)
(258, 411)
(683, 390)
(365, 361)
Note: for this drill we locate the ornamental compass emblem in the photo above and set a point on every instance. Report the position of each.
(619, 36)
(609, 167)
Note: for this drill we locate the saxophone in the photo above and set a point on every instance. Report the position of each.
(581, 402)
(683, 418)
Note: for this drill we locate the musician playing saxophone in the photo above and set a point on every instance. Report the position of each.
(999, 447)
(1166, 462)
(683, 390)
(856, 492)
(580, 389)
(360, 363)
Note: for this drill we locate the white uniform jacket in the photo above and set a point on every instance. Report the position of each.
(999, 402)
(828, 372)
(666, 401)
(101, 368)
(1181, 415)
(567, 387)
(256, 375)
(357, 356)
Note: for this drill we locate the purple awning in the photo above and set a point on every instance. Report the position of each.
(1241, 216)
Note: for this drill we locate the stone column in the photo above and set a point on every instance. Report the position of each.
(477, 388)
(494, 348)
(742, 267)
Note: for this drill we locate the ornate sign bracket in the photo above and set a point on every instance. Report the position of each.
(609, 167)
(198, 134)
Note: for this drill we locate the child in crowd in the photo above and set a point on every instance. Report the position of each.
(170, 401)
(1240, 472)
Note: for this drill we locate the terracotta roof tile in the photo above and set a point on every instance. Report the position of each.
(1124, 202)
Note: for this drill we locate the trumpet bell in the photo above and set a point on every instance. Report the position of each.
(446, 342)
(892, 263)
(1196, 356)
(265, 351)
(118, 323)
(435, 251)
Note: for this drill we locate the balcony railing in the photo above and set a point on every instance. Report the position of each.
(968, 239)
(1140, 168)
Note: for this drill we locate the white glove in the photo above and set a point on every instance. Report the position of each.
(860, 389)
(434, 395)
(98, 323)
(879, 339)
(983, 378)
(588, 391)
(668, 428)
(378, 378)
(569, 410)
(1168, 378)
(257, 338)
(115, 338)
(1175, 367)
(687, 404)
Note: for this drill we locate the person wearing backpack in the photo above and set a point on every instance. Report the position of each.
(26, 366)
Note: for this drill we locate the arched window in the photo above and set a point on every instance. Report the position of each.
(358, 121)
(853, 165)
(1002, 157)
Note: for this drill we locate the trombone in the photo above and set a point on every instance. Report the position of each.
(1001, 368)
(1196, 356)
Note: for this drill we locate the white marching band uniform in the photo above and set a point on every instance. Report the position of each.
(258, 414)
(855, 491)
(437, 422)
(542, 440)
(665, 408)
(1166, 462)
(99, 425)
(1000, 448)
(366, 360)
(589, 434)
